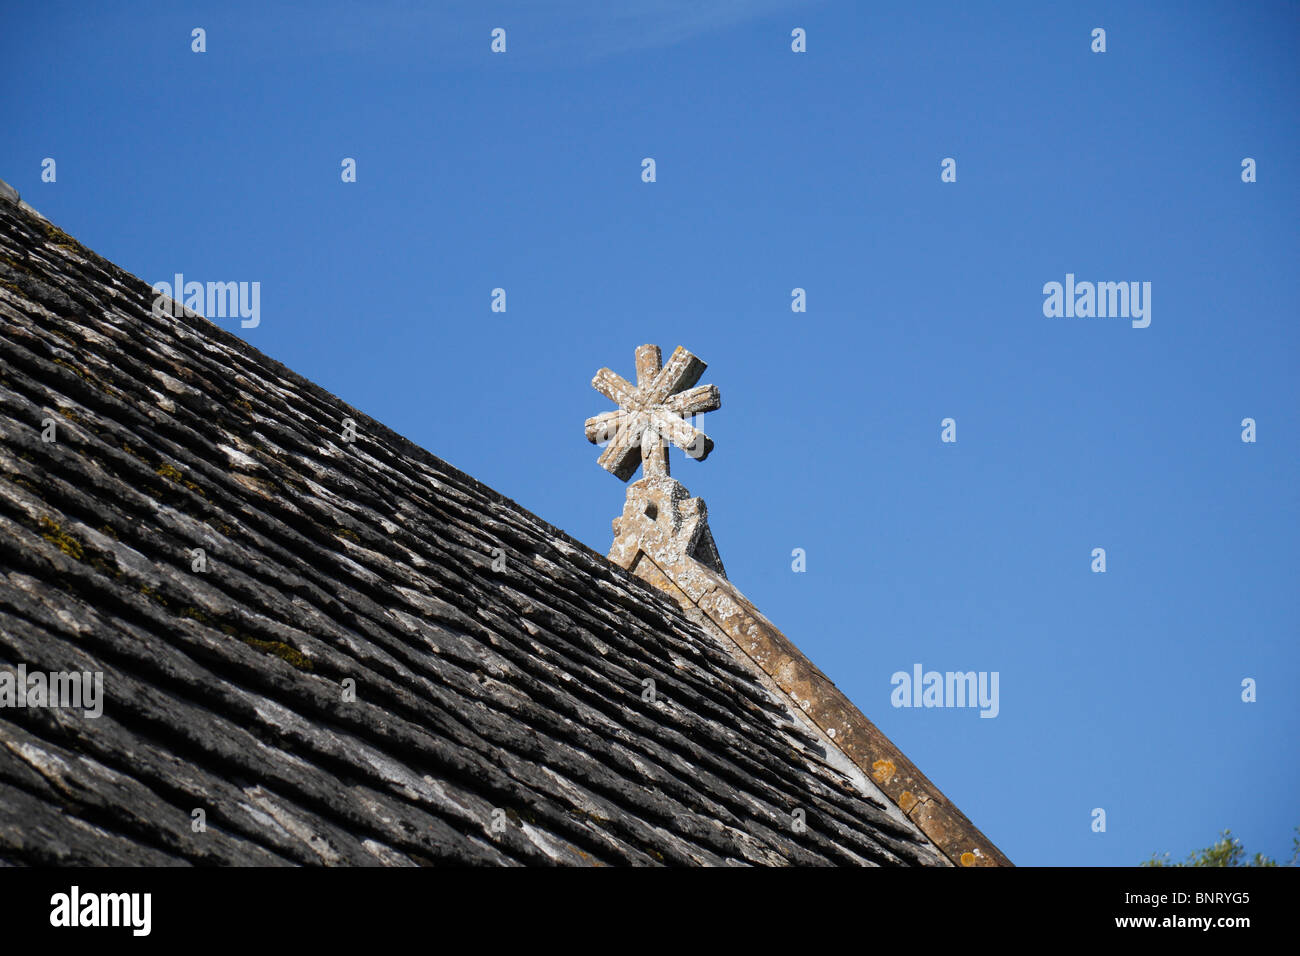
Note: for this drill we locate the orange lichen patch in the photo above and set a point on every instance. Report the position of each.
(286, 653)
(103, 567)
(883, 770)
(79, 372)
(72, 416)
(968, 859)
(906, 801)
(17, 479)
(53, 533)
(153, 594)
(175, 474)
(133, 453)
(61, 239)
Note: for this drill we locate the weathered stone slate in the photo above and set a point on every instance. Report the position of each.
(482, 693)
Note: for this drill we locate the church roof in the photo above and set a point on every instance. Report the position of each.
(318, 648)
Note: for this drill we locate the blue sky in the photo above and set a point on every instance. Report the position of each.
(778, 170)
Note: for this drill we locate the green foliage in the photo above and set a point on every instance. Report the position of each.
(1227, 851)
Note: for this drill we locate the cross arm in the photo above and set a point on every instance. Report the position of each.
(681, 371)
(694, 442)
(602, 427)
(614, 387)
(703, 398)
(623, 454)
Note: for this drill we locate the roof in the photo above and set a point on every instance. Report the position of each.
(323, 651)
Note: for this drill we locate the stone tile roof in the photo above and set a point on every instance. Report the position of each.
(480, 685)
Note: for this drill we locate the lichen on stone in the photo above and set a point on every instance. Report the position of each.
(53, 532)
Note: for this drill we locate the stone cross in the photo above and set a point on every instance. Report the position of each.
(652, 413)
(660, 518)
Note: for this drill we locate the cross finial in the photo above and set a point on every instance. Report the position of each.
(652, 413)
